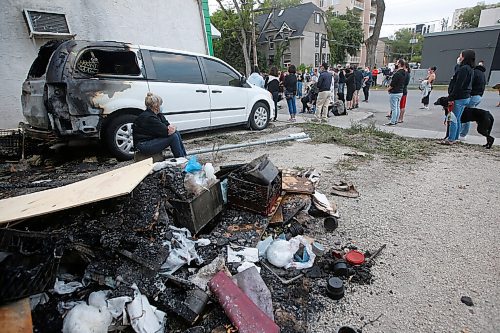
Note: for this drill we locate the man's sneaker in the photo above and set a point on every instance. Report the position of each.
(462, 138)
(422, 107)
(390, 124)
(426, 107)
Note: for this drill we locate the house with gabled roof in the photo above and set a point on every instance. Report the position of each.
(297, 35)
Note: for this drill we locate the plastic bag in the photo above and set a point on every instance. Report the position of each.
(281, 253)
(193, 165)
(183, 253)
(192, 183)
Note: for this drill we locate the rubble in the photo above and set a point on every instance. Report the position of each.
(157, 252)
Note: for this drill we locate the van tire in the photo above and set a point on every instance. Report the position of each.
(118, 137)
(259, 117)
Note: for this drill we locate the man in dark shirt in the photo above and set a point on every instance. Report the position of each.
(324, 85)
(396, 91)
(476, 94)
(358, 77)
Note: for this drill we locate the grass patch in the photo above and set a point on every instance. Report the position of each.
(370, 139)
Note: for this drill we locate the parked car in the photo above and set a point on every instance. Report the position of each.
(86, 89)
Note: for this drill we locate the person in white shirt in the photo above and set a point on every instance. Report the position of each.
(255, 78)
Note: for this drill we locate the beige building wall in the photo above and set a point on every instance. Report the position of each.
(489, 17)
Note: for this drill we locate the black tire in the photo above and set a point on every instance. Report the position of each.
(259, 117)
(118, 137)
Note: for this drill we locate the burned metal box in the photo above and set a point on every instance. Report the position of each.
(252, 196)
(194, 214)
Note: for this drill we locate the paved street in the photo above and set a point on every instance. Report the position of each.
(431, 119)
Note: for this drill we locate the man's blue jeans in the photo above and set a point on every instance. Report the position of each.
(474, 102)
(458, 109)
(157, 145)
(299, 88)
(292, 107)
(395, 100)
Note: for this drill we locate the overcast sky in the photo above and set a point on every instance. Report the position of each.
(401, 12)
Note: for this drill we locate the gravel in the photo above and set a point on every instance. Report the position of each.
(439, 219)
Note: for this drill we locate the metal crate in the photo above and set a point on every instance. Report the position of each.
(194, 214)
(251, 196)
(11, 142)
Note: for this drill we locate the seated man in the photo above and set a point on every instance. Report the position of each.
(153, 133)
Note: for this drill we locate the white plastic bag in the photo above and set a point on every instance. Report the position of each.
(280, 253)
(183, 253)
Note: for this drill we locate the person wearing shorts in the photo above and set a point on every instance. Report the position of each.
(402, 105)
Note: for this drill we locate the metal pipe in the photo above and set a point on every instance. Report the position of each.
(292, 137)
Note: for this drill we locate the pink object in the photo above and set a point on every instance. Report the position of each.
(240, 309)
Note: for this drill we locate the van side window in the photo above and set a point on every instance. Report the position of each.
(170, 67)
(220, 75)
(108, 62)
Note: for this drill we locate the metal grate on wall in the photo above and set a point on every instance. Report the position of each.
(46, 23)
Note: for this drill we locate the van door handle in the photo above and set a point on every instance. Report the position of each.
(202, 91)
(217, 91)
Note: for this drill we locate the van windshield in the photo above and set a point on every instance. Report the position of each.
(108, 62)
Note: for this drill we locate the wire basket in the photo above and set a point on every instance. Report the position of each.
(11, 142)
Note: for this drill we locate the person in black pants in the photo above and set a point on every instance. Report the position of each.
(272, 84)
(153, 133)
(358, 79)
(367, 83)
(351, 88)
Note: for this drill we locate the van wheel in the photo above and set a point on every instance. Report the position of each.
(119, 137)
(259, 117)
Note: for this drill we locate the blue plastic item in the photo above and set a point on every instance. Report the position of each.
(193, 165)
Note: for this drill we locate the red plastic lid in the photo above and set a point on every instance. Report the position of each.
(355, 257)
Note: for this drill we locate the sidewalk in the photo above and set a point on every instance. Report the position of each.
(360, 116)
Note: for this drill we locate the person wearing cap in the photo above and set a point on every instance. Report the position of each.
(324, 86)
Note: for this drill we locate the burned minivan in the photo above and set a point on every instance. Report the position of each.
(82, 89)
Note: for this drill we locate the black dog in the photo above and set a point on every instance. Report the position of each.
(483, 118)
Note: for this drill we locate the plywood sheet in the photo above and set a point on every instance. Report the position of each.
(105, 186)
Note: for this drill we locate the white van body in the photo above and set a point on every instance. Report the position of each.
(96, 89)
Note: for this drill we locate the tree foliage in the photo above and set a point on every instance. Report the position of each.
(228, 47)
(279, 3)
(470, 17)
(345, 35)
(402, 48)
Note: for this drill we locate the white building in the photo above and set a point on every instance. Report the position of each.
(489, 17)
(25, 25)
(457, 13)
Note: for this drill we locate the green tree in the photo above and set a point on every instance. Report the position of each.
(470, 17)
(406, 45)
(345, 35)
(279, 3)
(228, 47)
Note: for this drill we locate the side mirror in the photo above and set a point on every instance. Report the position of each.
(243, 80)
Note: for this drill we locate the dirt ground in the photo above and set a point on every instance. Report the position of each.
(439, 219)
(438, 215)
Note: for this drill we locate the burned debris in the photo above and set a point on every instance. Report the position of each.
(177, 251)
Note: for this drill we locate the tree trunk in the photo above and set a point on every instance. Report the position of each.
(371, 42)
(245, 46)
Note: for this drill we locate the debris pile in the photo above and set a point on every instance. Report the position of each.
(187, 250)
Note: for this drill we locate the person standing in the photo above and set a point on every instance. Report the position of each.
(290, 85)
(342, 81)
(335, 85)
(431, 77)
(374, 75)
(324, 85)
(476, 94)
(314, 76)
(273, 86)
(396, 91)
(402, 105)
(255, 78)
(367, 83)
(459, 92)
(358, 78)
(351, 88)
(300, 83)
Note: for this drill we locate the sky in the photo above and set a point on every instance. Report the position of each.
(405, 13)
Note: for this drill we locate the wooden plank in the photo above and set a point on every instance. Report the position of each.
(101, 187)
(293, 184)
(16, 317)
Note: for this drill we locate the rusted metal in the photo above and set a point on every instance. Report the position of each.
(195, 213)
(16, 317)
(242, 312)
(295, 184)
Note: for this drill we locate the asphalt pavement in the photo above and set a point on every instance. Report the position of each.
(428, 120)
